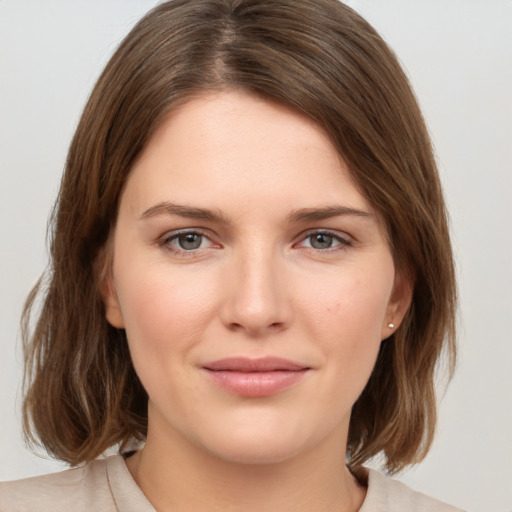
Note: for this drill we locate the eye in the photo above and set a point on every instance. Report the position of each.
(324, 240)
(186, 241)
(189, 241)
(321, 241)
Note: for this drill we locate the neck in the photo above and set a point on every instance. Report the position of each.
(176, 475)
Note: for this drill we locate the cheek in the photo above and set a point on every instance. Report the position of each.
(165, 316)
(353, 305)
(346, 320)
(164, 309)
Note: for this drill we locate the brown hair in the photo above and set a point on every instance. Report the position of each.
(318, 57)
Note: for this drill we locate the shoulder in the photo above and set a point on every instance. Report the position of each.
(81, 489)
(387, 495)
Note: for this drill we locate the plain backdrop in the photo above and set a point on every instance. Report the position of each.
(458, 54)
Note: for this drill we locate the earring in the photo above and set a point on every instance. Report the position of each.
(391, 326)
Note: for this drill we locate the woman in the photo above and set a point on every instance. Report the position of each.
(251, 279)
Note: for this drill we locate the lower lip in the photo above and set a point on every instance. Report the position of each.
(256, 384)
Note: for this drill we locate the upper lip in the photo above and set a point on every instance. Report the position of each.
(250, 365)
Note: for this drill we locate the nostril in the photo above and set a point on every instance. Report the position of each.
(255, 329)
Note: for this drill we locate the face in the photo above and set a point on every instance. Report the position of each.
(254, 281)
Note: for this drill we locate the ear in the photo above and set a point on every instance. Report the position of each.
(108, 292)
(399, 303)
(109, 295)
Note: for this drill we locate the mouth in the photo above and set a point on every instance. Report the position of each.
(255, 377)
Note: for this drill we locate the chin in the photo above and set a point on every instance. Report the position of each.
(258, 444)
(260, 453)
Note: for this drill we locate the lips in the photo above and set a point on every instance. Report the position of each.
(247, 365)
(255, 377)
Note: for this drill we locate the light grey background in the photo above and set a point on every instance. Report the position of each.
(458, 54)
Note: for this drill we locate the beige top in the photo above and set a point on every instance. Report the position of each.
(106, 485)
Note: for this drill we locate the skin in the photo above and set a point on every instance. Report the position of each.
(255, 286)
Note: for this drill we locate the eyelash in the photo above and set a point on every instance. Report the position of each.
(343, 242)
(166, 241)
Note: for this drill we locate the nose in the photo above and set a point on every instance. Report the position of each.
(255, 295)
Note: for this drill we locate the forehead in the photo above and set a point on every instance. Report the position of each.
(234, 150)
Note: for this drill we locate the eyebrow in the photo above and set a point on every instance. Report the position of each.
(314, 214)
(296, 216)
(168, 208)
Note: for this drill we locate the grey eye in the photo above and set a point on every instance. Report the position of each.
(321, 240)
(189, 241)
